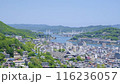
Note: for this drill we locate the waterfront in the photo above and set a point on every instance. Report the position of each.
(60, 39)
(60, 52)
(63, 39)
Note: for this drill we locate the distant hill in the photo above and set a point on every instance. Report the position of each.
(8, 30)
(43, 28)
(107, 33)
(116, 26)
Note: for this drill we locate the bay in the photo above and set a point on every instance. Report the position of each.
(63, 39)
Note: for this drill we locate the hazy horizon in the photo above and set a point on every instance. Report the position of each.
(72, 13)
(65, 25)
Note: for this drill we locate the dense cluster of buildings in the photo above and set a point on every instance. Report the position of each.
(98, 40)
(92, 56)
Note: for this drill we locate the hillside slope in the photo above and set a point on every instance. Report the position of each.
(107, 33)
(7, 30)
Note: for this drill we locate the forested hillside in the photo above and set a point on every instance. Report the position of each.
(107, 33)
(7, 30)
(7, 44)
(57, 29)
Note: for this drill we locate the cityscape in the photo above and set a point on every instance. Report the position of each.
(59, 34)
(58, 50)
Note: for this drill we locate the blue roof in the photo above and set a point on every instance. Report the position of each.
(11, 59)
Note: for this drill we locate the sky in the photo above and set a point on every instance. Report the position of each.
(60, 12)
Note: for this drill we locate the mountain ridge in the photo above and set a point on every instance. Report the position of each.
(44, 27)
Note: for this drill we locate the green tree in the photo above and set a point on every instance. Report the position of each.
(31, 54)
(35, 63)
(61, 50)
(79, 58)
(1, 50)
(10, 51)
(2, 56)
(20, 51)
(47, 53)
(98, 66)
(72, 59)
(103, 65)
(64, 66)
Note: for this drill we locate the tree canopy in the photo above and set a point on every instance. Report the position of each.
(107, 33)
(7, 30)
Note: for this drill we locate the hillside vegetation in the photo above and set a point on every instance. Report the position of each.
(7, 30)
(57, 29)
(6, 43)
(107, 33)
